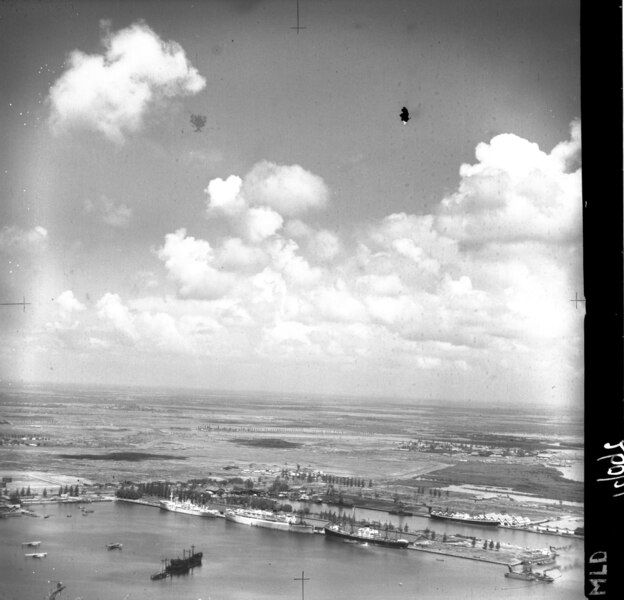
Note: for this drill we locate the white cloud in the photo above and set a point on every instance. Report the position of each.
(189, 262)
(64, 322)
(112, 310)
(295, 228)
(289, 189)
(260, 223)
(414, 294)
(236, 255)
(68, 303)
(515, 192)
(324, 245)
(380, 285)
(111, 213)
(16, 239)
(339, 304)
(111, 92)
(224, 196)
(295, 268)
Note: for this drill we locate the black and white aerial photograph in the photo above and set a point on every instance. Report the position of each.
(291, 300)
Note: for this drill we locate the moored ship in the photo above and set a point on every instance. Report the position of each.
(187, 507)
(365, 535)
(264, 518)
(465, 518)
(179, 566)
(527, 574)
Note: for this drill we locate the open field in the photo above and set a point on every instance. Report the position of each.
(528, 478)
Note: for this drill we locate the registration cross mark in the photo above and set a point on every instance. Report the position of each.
(303, 580)
(23, 304)
(576, 300)
(298, 28)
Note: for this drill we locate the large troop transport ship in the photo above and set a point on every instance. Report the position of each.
(265, 518)
(365, 535)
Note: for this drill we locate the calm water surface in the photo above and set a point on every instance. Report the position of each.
(240, 562)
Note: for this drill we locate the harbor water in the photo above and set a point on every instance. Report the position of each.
(241, 562)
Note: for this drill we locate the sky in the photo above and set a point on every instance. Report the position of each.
(198, 194)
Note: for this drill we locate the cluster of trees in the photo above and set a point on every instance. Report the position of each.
(345, 481)
(421, 489)
(254, 502)
(278, 486)
(487, 545)
(16, 495)
(128, 491)
(311, 477)
(346, 520)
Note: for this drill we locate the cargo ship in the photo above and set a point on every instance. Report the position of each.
(364, 535)
(264, 518)
(465, 518)
(187, 507)
(179, 566)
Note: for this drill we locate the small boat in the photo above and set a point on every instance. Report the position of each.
(114, 546)
(46, 516)
(36, 555)
(31, 544)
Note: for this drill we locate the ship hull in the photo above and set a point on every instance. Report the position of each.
(188, 509)
(522, 576)
(376, 540)
(268, 523)
(466, 521)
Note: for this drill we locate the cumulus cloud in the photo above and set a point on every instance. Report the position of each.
(515, 192)
(111, 213)
(260, 223)
(64, 322)
(289, 189)
(256, 205)
(324, 245)
(224, 196)
(110, 93)
(236, 255)
(112, 310)
(68, 303)
(189, 262)
(15, 239)
(477, 287)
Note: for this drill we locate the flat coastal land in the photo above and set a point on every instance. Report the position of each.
(372, 453)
